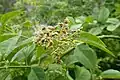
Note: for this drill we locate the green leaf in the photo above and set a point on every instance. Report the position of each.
(82, 74)
(6, 36)
(96, 30)
(7, 46)
(89, 38)
(24, 53)
(75, 27)
(80, 19)
(93, 40)
(89, 19)
(36, 74)
(27, 24)
(113, 20)
(40, 51)
(86, 56)
(26, 41)
(71, 59)
(19, 45)
(6, 17)
(113, 27)
(110, 74)
(4, 74)
(71, 19)
(103, 15)
(96, 11)
(45, 60)
(83, 54)
(9, 77)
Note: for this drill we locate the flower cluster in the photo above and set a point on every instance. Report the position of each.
(45, 35)
(55, 39)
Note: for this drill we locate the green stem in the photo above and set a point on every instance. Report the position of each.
(24, 36)
(9, 29)
(5, 67)
(66, 52)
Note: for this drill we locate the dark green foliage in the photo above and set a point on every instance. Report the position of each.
(59, 39)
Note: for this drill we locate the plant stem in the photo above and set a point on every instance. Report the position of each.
(66, 52)
(5, 67)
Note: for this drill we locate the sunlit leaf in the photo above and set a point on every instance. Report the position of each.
(112, 27)
(110, 74)
(26, 41)
(75, 27)
(93, 40)
(71, 20)
(80, 19)
(27, 24)
(40, 51)
(9, 15)
(96, 30)
(9, 45)
(89, 19)
(6, 36)
(24, 53)
(112, 20)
